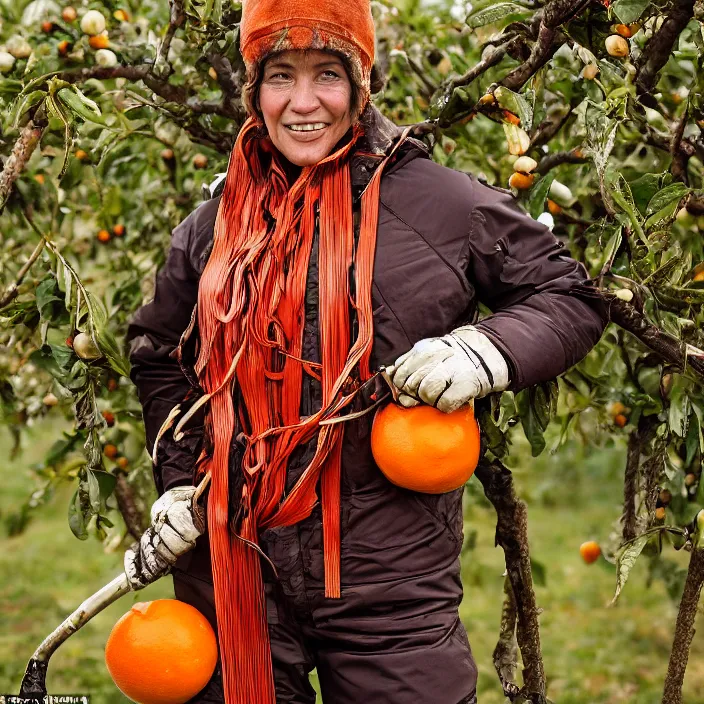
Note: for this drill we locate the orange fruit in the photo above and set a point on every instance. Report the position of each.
(118, 230)
(109, 418)
(122, 463)
(521, 181)
(660, 513)
(553, 207)
(121, 16)
(590, 551)
(620, 420)
(99, 41)
(624, 30)
(47, 27)
(511, 117)
(69, 14)
(424, 449)
(161, 652)
(63, 47)
(200, 161)
(112, 384)
(81, 154)
(39, 178)
(690, 480)
(110, 451)
(103, 236)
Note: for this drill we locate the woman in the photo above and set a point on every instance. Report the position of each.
(311, 557)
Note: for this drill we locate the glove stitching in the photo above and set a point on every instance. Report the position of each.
(469, 350)
(448, 384)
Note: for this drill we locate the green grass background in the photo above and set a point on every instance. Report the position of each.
(593, 654)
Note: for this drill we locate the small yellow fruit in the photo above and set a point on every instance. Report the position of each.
(50, 400)
(625, 294)
(553, 207)
(521, 181)
(81, 155)
(200, 161)
(590, 71)
(617, 46)
(590, 551)
(487, 99)
(103, 236)
(525, 164)
(64, 46)
(93, 22)
(121, 16)
(85, 348)
(213, 73)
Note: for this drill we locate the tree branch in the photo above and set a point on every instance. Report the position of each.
(133, 517)
(24, 148)
(13, 288)
(550, 161)
(684, 629)
(659, 47)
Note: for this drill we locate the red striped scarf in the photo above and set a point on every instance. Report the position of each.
(251, 319)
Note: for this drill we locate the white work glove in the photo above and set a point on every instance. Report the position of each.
(448, 372)
(176, 524)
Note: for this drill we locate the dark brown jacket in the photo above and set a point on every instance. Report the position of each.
(445, 241)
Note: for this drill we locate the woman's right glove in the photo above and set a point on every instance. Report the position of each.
(176, 523)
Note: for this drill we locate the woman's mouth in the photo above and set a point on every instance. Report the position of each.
(307, 127)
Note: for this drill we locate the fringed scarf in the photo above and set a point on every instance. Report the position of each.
(251, 320)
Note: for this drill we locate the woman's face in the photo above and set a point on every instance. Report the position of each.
(305, 99)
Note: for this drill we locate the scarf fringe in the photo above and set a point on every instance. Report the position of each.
(250, 316)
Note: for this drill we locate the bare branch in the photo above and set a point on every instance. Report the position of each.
(126, 502)
(13, 288)
(550, 161)
(658, 49)
(176, 19)
(24, 148)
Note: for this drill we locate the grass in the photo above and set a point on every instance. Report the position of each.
(593, 654)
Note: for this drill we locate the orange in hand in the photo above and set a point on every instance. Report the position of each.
(424, 449)
(161, 652)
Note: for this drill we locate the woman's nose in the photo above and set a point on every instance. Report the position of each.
(304, 98)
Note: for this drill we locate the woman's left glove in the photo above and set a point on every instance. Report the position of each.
(448, 372)
(176, 523)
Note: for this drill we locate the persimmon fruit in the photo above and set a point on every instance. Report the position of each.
(590, 551)
(424, 449)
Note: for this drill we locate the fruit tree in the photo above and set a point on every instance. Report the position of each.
(114, 114)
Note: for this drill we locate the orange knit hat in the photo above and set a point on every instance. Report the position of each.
(270, 26)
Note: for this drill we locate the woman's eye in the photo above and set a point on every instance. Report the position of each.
(331, 72)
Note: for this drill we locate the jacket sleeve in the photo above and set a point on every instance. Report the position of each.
(546, 315)
(153, 336)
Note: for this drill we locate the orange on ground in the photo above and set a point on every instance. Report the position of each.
(424, 449)
(520, 180)
(103, 236)
(590, 551)
(161, 652)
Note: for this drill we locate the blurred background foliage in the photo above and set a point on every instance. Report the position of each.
(109, 134)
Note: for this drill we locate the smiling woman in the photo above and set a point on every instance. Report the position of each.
(305, 100)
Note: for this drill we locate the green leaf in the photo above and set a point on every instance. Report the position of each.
(494, 13)
(644, 188)
(672, 193)
(76, 516)
(621, 193)
(536, 406)
(538, 194)
(629, 10)
(495, 439)
(46, 297)
(517, 104)
(627, 558)
(680, 407)
(100, 485)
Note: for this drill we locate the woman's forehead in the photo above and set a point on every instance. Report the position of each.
(292, 58)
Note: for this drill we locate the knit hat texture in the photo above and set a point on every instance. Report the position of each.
(271, 26)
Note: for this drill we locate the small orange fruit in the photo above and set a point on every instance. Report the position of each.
(690, 480)
(99, 41)
(63, 47)
(112, 384)
(121, 16)
(590, 551)
(521, 181)
(39, 178)
(118, 230)
(122, 462)
(69, 14)
(109, 418)
(487, 99)
(81, 155)
(103, 236)
(161, 652)
(624, 30)
(47, 27)
(167, 154)
(620, 420)
(213, 73)
(511, 118)
(424, 449)
(200, 161)
(110, 451)
(660, 513)
(699, 276)
(553, 207)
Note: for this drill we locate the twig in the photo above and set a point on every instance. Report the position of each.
(176, 19)
(24, 148)
(684, 629)
(506, 650)
(133, 517)
(667, 347)
(12, 289)
(550, 161)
